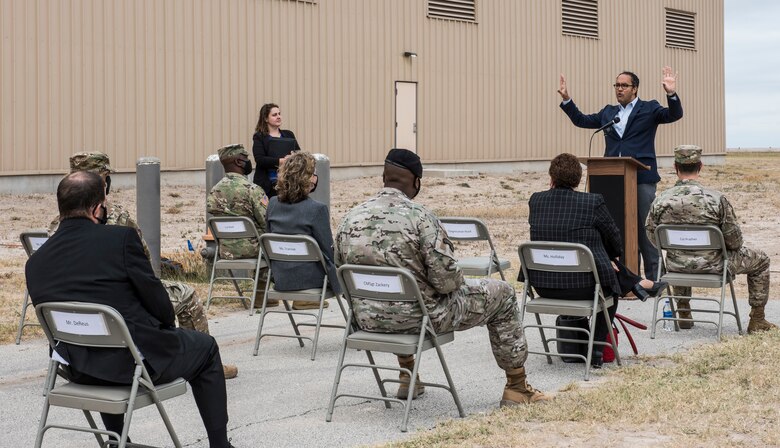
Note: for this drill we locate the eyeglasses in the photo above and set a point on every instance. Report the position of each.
(622, 86)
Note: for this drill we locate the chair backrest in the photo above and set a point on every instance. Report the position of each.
(549, 256)
(380, 283)
(465, 229)
(32, 240)
(87, 325)
(689, 237)
(297, 248)
(232, 227)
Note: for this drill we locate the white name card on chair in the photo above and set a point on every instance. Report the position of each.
(688, 237)
(555, 257)
(85, 324)
(378, 283)
(284, 248)
(230, 226)
(36, 242)
(457, 230)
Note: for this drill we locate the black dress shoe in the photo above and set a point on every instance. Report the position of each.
(640, 292)
(597, 359)
(657, 287)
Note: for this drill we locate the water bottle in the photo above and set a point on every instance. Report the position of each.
(668, 325)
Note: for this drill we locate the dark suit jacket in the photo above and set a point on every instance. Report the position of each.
(639, 136)
(88, 262)
(266, 161)
(565, 215)
(307, 217)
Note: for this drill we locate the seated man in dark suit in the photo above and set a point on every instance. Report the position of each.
(563, 214)
(88, 262)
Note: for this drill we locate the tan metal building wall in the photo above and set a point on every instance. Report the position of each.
(178, 78)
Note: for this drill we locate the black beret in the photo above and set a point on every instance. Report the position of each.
(405, 159)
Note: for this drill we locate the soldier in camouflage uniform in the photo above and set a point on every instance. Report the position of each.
(688, 202)
(186, 304)
(392, 230)
(235, 195)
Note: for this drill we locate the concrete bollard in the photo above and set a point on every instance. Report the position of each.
(147, 198)
(322, 168)
(214, 173)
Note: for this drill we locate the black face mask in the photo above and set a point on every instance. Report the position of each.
(314, 184)
(103, 219)
(417, 186)
(247, 167)
(108, 184)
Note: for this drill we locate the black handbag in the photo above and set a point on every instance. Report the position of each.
(572, 348)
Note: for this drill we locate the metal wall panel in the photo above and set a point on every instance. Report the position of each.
(177, 79)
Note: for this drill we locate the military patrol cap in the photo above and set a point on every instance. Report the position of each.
(405, 159)
(231, 151)
(687, 154)
(90, 161)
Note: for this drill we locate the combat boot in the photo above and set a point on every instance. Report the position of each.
(230, 371)
(407, 362)
(758, 322)
(684, 312)
(517, 390)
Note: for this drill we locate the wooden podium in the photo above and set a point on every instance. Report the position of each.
(615, 179)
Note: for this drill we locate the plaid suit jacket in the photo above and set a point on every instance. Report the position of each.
(565, 215)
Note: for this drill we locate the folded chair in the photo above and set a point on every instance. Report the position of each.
(31, 241)
(388, 284)
(98, 326)
(687, 238)
(472, 230)
(225, 228)
(563, 257)
(277, 247)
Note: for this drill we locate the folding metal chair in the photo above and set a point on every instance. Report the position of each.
(298, 249)
(98, 326)
(31, 241)
(563, 257)
(687, 238)
(225, 228)
(388, 284)
(472, 230)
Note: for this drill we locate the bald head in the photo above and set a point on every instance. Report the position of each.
(79, 193)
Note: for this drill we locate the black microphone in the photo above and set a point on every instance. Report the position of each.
(614, 121)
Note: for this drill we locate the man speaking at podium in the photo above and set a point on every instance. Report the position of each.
(632, 135)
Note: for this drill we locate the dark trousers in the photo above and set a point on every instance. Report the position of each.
(645, 195)
(199, 363)
(626, 280)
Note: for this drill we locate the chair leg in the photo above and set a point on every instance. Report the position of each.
(211, 283)
(545, 344)
(449, 380)
(292, 321)
(378, 378)
(25, 304)
(722, 305)
(317, 327)
(239, 291)
(93, 425)
(654, 321)
(254, 290)
(339, 369)
(413, 373)
(736, 308)
(166, 421)
(612, 338)
(591, 335)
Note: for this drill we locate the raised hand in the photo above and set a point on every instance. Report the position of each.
(562, 89)
(670, 80)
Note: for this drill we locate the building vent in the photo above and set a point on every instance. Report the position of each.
(680, 29)
(580, 18)
(464, 10)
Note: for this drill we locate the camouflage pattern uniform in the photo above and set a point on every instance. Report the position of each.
(234, 195)
(186, 304)
(688, 202)
(392, 230)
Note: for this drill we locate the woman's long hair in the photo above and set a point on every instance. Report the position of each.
(262, 121)
(294, 180)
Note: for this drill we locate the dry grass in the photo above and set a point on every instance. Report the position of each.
(718, 395)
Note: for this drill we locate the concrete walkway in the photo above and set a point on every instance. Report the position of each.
(280, 397)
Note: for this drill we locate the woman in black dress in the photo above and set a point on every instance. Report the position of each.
(271, 145)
